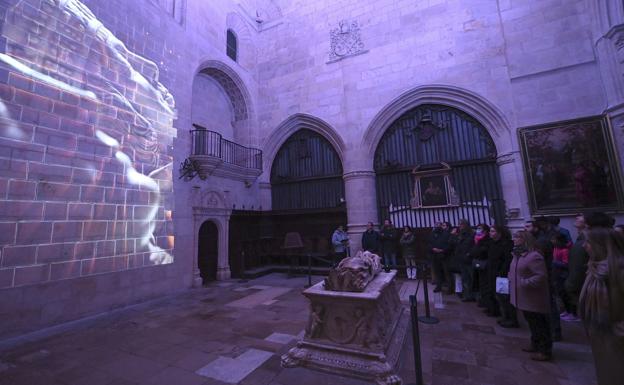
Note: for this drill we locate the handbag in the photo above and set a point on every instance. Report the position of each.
(502, 285)
(479, 264)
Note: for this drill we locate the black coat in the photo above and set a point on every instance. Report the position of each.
(371, 241)
(389, 239)
(499, 257)
(462, 244)
(438, 240)
(480, 250)
(577, 267)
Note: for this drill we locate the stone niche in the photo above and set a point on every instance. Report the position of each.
(356, 334)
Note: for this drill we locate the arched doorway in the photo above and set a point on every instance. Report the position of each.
(430, 136)
(208, 251)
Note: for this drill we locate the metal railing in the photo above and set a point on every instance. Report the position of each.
(206, 142)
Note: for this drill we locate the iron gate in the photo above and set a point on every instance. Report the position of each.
(426, 136)
(306, 174)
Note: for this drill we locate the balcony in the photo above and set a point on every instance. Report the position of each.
(213, 155)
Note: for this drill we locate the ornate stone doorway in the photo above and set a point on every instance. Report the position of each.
(211, 217)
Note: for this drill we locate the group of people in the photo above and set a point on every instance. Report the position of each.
(540, 271)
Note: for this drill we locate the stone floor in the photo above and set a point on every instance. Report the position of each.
(235, 332)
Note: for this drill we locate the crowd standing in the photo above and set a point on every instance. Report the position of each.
(540, 272)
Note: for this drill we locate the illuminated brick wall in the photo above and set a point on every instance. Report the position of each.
(86, 157)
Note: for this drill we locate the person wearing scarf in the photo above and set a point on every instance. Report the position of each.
(479, 254)
(601, 304)
(529, 292)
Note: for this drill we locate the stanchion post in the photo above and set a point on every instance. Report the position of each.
(416, 341)
(309, 270)
(427, 319)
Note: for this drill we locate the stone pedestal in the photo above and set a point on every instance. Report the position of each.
(354, 334)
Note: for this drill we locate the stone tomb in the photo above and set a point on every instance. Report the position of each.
(357, 334)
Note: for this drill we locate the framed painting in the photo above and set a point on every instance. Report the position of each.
(433, 188)
(571, 166)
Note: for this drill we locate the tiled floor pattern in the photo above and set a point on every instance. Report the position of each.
(235, 332)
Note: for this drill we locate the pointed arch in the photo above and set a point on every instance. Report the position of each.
(293, 124)
(467, 101)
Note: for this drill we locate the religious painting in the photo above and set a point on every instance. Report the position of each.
(433, 191)
(433, 188)
(571, 166)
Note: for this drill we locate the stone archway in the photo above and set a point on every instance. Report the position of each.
(482, 110)
(467, 101)
(212, 206)
(293, 124)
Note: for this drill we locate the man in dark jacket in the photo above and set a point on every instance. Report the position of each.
(577, 267)
(438, 245)
(370, 239)
(463, 245)
(389, 238)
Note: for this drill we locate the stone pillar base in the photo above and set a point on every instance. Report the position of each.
(354, 334)
(223, 273)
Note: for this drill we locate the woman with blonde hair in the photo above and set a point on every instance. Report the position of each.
(601, 304)
(528, 289)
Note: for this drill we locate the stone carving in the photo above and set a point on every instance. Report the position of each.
(315, 323)
(345, 40)
(354, 273)
(354, 334)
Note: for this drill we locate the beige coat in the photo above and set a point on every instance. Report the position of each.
(528, 283)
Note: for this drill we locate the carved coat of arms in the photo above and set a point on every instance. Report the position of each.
(345, 40)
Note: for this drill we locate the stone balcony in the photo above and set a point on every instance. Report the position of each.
(213, 155)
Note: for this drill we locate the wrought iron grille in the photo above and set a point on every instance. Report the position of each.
(210, 143)
(306, 174)
(426, 136)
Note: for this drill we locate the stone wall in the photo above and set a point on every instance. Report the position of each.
(530, 62)
(74, 216)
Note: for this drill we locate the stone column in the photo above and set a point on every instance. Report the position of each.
(361, 200)
(196, 280)
(223, 263)
(514, 189)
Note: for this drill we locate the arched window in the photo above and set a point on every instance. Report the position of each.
(232, 45)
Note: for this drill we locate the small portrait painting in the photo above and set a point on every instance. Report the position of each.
(433, 191)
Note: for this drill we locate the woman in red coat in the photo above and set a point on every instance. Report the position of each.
(528, 290)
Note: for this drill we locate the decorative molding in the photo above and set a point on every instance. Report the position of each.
(345, 41)
(358, 175)
(213, 166)
(207, 212)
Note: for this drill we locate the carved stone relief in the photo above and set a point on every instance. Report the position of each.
(345, 41)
